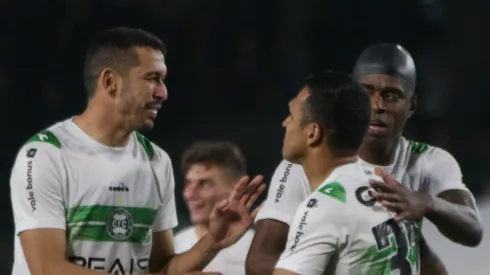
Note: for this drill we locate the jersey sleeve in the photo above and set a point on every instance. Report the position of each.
(313, 238)
(167, 214)
(442, 172)
(36, 188)
(286, 192)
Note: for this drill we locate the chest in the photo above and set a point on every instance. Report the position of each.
(409, 171)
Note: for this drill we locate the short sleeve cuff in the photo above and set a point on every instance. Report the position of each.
(165, 224)
(38, 224)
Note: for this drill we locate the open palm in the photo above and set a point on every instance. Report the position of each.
(231, 218)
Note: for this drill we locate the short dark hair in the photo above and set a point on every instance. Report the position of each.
(114, 48)
(341, 106)
(223, 154)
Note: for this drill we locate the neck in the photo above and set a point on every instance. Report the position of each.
(100, 123)
(378, 152)
(318, 166)
(201, 230)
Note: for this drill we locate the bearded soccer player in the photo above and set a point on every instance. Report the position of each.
(339, 228)
(389, 74)
(90, 195)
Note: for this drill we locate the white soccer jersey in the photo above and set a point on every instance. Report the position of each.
(340, 230)
(418, 166)
(229, 261)
(109, 200)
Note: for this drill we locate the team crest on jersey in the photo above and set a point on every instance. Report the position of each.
(120, 224)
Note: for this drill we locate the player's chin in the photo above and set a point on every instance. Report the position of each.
(146, 124)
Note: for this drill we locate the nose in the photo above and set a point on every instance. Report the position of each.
(285, 122)
(377, 102)
(161, 92)
(190, 191)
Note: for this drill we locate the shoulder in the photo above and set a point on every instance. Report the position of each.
(43, 144)
(286, 170)
(426, 151)
(152, 150)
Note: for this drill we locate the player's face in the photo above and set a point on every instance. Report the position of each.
(144, 90)
(391, 105)
(204, 187)
(295, 137)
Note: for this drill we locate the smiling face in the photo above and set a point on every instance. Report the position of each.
(204, 187)
(142, 90)
(392, 104)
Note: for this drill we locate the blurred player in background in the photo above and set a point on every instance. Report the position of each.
(389, 74)
(91, 195)
(339, 228)
(211, 170)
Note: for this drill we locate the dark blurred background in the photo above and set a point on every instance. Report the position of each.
(233, 65)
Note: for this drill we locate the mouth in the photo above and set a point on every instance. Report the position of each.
(377, 127)
(153, 109)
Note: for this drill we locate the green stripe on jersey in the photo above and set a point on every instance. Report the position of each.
(102, 223)
(417, 147)
(45, 136)
(146, 143)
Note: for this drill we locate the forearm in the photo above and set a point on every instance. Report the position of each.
(459, 223)
(259, 263)
(197, 258)
(430, 263)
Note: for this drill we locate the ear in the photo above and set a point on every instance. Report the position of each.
(413, 105)
(108, 81)
(314, 134)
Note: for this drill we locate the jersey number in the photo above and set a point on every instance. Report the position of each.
(397, 240)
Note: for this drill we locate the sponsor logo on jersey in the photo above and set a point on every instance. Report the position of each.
(364, 197)
(282, 187)
(119, 188)
(300, 230)
(312, 203)
(120, 224)
(115, 266)
(31, 153)
(29, 186)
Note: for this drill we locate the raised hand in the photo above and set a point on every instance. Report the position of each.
(408, 204)
(231, 218)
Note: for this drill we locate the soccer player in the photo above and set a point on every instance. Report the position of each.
(211, 170)
(339, 228)
(90, 195)
(388, 72)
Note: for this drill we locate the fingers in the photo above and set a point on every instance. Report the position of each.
(393, 206)
(385, 176)
(239, 189)
(381, 186)
(390, 197)
(255, 195)
(251, 189)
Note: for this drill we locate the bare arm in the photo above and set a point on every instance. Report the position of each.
(266, 248)
(430, 264)
(283, 272)
(454, 213)
(163, 257)
(45, 249)
(453, 209)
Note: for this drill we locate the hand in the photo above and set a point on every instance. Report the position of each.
(231, 218)
(408, 204)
